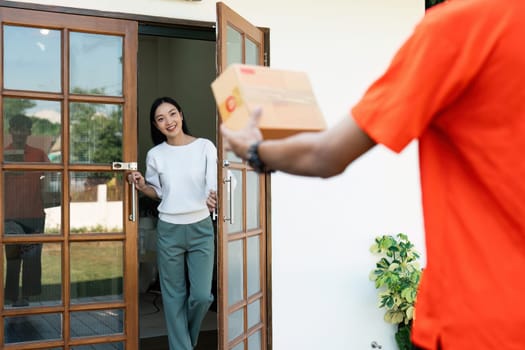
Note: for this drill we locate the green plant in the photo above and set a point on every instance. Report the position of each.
(430, 3)
(397, 275)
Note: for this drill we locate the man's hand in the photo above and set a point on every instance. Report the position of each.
(240, 141)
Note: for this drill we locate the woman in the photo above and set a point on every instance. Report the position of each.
(181, 171)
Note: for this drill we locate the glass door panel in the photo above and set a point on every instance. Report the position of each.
(96, 202)
(254, 314)
(101, 125)
(30, 328)
(97, 322)
(96, 277)
(254, 341)
(95, 64)
(234, 46)
(42, 130)
(253, 207)
(32, 273)
(234, 186)
(236, 324)
(235, 272)
(252, 52)
(253, 265)
(32, 58)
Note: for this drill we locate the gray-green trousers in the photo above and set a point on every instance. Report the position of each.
(185, 250)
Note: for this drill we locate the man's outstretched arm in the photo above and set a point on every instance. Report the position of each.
(322, 154)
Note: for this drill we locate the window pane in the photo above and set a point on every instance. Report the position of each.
(32, 59)
(235, 272)
(96, 202)
(233, 46)
(97, 322)
(235, 324)
(96, 271)
(95, 133)
(36, 123)
(252, 200)
(28, 328)
(254, 313)
(52, 199)
(254, 341)
(95, 64)
(254, 265)
(30, 196)
(234, 193)
(252, 52)
(33, 274)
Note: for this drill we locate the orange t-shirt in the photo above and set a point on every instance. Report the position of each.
(23, 194)
(457, 85)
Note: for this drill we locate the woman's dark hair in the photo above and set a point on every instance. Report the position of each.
(156, 136)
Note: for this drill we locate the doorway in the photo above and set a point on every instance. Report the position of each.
(179, 63)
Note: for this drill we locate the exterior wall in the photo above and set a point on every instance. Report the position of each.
(322, 229)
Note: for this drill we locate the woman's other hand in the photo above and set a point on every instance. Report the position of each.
(211, 201)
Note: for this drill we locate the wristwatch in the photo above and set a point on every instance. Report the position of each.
(254, 161)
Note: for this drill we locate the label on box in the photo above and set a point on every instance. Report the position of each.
(230, 104)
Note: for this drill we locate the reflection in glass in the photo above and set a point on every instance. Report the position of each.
(97, 322)
(96, 271)
(234, 193)
(254, 265)
(33, 201)
(105, 346)
(32, 59)
(33, 274)
(95, 133)
(233, 46)
(254, 341)
(52, 198)
(28, 328)
(41, 131)
(252, 52)
(95, 64)
(254, 313)
(252, 200)
(235, 324)
(96, 202)
(235, 272)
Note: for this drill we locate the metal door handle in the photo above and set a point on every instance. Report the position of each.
(133, 214)
(129, 166)
(230, 199)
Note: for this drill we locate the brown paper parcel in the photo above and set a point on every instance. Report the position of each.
(286, 97)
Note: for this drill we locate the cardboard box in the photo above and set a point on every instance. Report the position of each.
(286, 97)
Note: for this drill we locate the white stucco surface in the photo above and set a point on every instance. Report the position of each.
(322, 229)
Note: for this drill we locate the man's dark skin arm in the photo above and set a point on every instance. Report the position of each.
(323, 154)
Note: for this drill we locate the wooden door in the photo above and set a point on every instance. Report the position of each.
(243, 235)
(67, 226)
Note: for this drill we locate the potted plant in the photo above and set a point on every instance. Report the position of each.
(396, 275)
(430, 3)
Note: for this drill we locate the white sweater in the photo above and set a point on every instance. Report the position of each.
(182, 176)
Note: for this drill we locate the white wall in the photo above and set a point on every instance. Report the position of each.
(322, 229)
